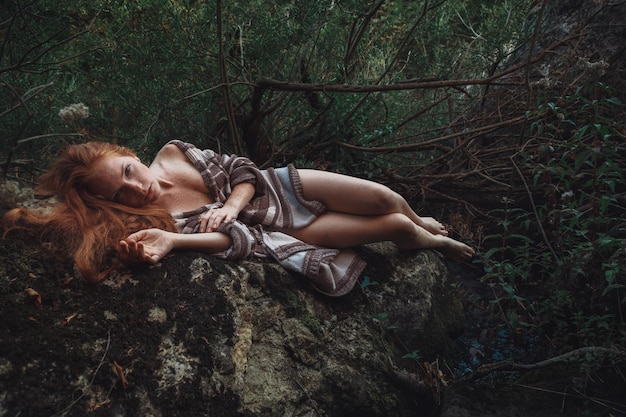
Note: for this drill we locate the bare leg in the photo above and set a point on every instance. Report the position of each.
(345, 194)
(341, 230)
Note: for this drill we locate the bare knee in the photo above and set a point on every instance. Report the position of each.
(385, 200)
(400, 225)
(406, 234)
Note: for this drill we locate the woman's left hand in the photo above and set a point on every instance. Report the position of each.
(149, 245)
(211, 219)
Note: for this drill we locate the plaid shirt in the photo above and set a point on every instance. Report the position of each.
(277, 205)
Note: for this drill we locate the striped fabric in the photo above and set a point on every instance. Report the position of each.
(277, 205)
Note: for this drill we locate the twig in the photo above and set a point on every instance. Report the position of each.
(16, 142)
(605, 403)
(23, 63)
(393, 61)
(510, 364)
(73, 403)
(427, 143)
(534, 206)
(50, 135)
(355, 38)
(228, 105)
(21, 101)
(313, 404)
(349, 88)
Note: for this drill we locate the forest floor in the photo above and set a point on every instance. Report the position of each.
(489, 351)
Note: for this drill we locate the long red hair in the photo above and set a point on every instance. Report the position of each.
(88, 227)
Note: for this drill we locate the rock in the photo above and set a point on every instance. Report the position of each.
(13, 194)
(196, 336)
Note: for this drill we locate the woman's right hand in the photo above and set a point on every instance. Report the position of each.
(149, 245)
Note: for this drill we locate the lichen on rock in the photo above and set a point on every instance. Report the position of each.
(195, 335)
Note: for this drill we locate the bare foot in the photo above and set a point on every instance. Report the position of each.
(454, 250)
(423, 239)
(433, 226)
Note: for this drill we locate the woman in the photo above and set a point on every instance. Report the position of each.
(224, 205)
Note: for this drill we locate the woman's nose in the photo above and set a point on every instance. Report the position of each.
(136, 187)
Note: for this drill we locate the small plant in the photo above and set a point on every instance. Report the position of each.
(510, 264)
(414, 355)
(554, 264)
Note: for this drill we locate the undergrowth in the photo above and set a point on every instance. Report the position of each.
(556, 262)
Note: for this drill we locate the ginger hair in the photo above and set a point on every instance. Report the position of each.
(86, 226)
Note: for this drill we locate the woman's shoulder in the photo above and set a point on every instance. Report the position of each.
(171, 151)
(169, 156)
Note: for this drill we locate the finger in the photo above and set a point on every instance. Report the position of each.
(213, 222)
(137, 236)
(217, 220)
(153, 259)
(214, 218)
(203, 223)
(132, 246)
(141, 252)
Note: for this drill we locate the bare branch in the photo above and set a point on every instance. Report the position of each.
(393, 60)
(344, 88)
(230, 113)
(510, 364)
(27, 96)
(355, 38)
(428, 144)
(410, 84)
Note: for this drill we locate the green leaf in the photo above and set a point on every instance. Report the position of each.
(366, 282)
(379, 316)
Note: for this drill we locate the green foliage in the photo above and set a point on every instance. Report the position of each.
(558, 266)
(149, 71)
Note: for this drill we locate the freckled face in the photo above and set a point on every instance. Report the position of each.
(125, 180)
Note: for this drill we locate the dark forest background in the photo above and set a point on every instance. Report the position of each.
(505, 119)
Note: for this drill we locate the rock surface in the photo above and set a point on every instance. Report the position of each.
(196, 336)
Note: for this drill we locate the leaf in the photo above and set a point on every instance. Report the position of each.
(95, 406)
(490, 253)
(413, 355)
(120, 373)
(380, 316)
(614, 100)
(34, 295)
(366, 282)
(69, 318)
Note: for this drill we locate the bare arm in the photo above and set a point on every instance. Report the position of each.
(151, 245)
(241, 195)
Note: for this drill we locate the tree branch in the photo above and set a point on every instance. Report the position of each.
(344, 88)
(354, 39)
(272, 84)
(430, 143)
(228, 105)
(510, 364)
